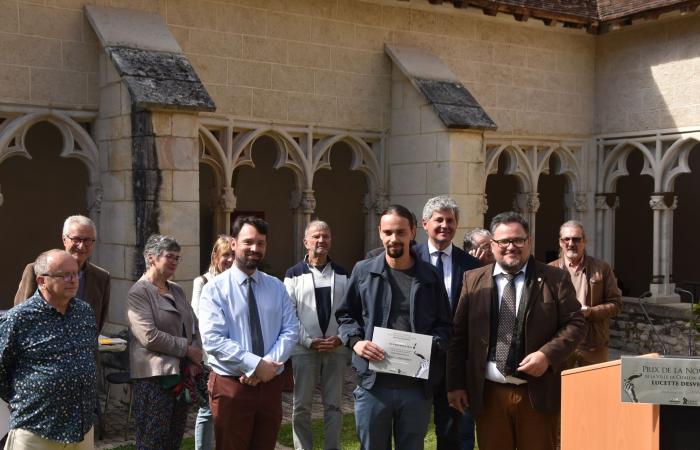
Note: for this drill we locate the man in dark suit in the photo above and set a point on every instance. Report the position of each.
(440, 220)
(517, 322)
(79, 234)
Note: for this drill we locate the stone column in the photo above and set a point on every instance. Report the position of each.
(605, 225)
(374, 205)
(224, 208)
(528, 204)
(662, 286)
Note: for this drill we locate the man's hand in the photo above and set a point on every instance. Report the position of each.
(458, 400)
(249, 381)
(267, 370)
(195, 355)
(368, 350)
(534, 364)
(327, 344)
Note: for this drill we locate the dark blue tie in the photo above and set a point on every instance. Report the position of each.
(256, 335)
(440, 266)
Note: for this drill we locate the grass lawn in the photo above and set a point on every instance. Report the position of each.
(348, 438)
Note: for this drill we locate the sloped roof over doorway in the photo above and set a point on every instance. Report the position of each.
(449, 98)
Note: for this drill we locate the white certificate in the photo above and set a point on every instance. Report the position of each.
(404, 353)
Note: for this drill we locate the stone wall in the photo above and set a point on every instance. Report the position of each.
(631, 333)
(315, 61)
(646, 76)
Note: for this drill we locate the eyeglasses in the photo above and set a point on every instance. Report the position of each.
(171, 257)
(575, 239)
(77, 240)
(67, 277)
(504, 243)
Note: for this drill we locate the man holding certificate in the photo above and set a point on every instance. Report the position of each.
(393, 304)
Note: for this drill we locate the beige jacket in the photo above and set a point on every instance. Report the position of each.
(157, 344)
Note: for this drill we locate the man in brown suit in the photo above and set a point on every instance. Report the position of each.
(517, 322)
(596, 290)
(78, 237)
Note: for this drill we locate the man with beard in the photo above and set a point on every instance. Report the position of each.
(249, 329)
(317, 286)
(517, 323)
(79, 234)
(440, 221)
(395, 290)
(596, 290)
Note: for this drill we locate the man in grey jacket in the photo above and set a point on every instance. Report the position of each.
(316, 286)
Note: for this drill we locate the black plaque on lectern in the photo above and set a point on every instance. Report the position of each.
(680, 427)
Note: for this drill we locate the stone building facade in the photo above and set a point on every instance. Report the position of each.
(176, 115)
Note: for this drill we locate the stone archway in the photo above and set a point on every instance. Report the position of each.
(340, 194)
(49, 170)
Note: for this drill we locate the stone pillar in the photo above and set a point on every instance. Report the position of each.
(116, 239)
(662, 286)
(605, 205)
(225, 206)
(528, 204)
(374, 205)
(427, 159)
(177, 148)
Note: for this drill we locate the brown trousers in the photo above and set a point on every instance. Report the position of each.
(245, 417)
(509, 422)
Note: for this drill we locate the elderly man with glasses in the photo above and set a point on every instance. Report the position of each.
(79, 234)
(47, 365)
(596, 290)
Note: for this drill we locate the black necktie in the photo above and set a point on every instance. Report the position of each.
(440, 266)
(256, 334)
(506, 324)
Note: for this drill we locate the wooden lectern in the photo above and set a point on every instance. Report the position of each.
(592, 416)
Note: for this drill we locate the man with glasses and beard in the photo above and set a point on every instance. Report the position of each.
(517, 323)
(79, 234)
(596, 290)
(399, 291)
(249, 329)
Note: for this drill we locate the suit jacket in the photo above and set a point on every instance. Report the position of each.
(367, 304)
(96, 290)
(604, 300)
(553, 323)
(157, 344)
(300, 286)
(461, 262)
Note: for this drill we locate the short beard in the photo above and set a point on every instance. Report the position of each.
(248, 263)
(396, 252)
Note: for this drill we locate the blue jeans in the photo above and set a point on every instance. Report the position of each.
(380, 410)
(204, 429)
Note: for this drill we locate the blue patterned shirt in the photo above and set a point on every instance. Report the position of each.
(47, 368)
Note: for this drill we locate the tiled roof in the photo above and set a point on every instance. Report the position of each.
(593, 14)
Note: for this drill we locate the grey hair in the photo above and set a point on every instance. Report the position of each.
(573, 224)
(80, 220)
(438, 203)
(157, 244)
(41, 264)
(317, 224)
(469, 237)
(509, 217)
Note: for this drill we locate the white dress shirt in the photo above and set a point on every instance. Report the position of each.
(446, 264)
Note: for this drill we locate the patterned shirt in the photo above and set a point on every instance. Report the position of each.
(47, 368)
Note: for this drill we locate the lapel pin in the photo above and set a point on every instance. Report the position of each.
(539, 279)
